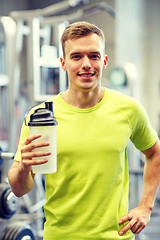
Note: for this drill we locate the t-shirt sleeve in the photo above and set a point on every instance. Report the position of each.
(24, 134)
(143, 135)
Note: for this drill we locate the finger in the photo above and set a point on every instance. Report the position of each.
(30, 155)
(126, 218)
(31, 138)
(29, 162)
(127, 227)
(33, 145)
(139, 229)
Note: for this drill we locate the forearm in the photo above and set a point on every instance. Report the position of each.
(21, 181)
(21, 177)
(151, 181)
(139, 217)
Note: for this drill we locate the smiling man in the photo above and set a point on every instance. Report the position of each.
(87, 198)
(84, 60)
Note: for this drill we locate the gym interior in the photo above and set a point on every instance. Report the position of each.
(30, 73)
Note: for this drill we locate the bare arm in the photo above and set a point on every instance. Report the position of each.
(151, 176)
(20, 175)
(140, 216)
(21, 181)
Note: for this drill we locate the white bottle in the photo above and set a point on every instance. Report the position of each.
(43, 122)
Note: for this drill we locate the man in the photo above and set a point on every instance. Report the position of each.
(88, 196)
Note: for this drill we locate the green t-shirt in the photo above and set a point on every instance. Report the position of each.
(89, 193)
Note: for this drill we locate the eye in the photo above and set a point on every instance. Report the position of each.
(76, 57)
(94, 56)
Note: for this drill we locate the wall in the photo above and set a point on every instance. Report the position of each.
(152, 60)
(137, 41)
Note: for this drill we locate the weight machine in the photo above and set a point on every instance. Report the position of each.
(17, 215)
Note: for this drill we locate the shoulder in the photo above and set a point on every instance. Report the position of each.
(121, 100)
(128, 106)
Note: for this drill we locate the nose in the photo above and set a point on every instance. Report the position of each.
(86, 63)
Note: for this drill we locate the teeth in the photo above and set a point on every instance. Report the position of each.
(86, 75)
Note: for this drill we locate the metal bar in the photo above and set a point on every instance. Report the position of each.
(6, 155)
(50, 10)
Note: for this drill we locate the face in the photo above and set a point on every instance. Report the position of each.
(84, 61)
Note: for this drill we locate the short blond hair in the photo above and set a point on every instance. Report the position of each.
(78, 30)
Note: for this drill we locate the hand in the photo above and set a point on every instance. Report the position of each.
(138, 218)
(27, 154)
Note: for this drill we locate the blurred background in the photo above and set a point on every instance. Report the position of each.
(30, 73)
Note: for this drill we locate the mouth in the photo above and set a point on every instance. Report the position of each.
(86, 75)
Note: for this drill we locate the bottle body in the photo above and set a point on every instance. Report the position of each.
(48, 134)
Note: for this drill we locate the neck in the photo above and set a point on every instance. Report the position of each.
(83, 99)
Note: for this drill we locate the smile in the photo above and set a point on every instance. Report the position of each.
(86, 74)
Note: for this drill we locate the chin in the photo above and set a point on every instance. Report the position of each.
(87, 88)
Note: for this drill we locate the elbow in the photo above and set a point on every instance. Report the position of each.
(19, 183)
(15, 190)
(18, 192)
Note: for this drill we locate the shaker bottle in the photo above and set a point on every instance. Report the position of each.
(43, 122)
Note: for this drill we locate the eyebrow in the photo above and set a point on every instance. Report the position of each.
(76, 53)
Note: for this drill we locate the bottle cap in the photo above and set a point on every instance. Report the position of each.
(43, 116)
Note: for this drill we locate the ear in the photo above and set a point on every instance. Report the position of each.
(105, 62)
(62, 61)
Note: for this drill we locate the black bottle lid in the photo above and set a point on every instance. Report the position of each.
(43, 116)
